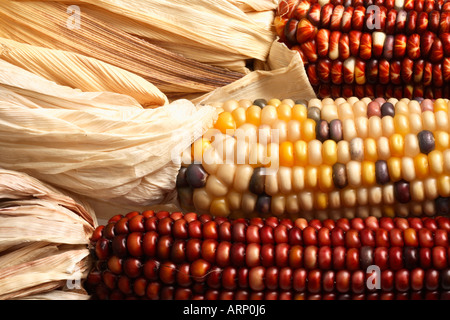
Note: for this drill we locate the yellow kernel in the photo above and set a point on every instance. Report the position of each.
(442, 140)
(401, 124)
(368, 173)
(395, 168)
(389, 211)
(225, 123)
(436, 162)
(421, 166)
(284, 112)
(308, 130)
(274, 102)
(311, 177)
(320, 200)
(370, 149)
(219, 207)
(329, 152)
(396, 144)
(287, 154)
(443, 185)
(198, 148)
(301, 153)
(326, 178)
(440, 105)
(253, 114)
(299, 112)
(239, 116)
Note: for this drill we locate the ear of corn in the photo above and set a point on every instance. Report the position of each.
(162, 255)
(321, 159)
(380, 48)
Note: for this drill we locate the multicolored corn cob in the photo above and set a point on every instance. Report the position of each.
(162, 255)
(321, 159)
(375, 48)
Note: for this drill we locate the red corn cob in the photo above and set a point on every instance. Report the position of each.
(162, 255)
(403, 31)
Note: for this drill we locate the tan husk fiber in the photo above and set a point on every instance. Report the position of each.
(44, 237)
(282, 76)
(80, 72)
(97, 144)
(45, 24)
(221, 33)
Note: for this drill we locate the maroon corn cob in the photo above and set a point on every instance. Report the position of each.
(185, 256)
(378, 49)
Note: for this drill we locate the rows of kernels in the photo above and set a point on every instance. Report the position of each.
(375, 51)
(138, 254)
(391, 146)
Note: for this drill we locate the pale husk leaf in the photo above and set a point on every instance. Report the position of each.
(47, 24)
(121, 154)
(80, 72)
(214, 32)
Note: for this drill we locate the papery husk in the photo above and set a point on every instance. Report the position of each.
(45, 24)
(220, 33)
(282, 76)
(80, 72)
(100, 145)
(44, 238)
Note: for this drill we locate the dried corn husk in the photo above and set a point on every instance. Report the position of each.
(281, 76)
(100, 145)
(44, 237)
(220, 33)
(80, 72)
(45, 24)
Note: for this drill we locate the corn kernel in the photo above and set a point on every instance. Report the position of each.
(225, 123)
(308, 130)
(401, 124)
(269, 115)
(287, 154)
(421, 166)
(284, 112)
(395, 168)
(311, 177)
(442, 140)
(436, 162)
(299, 112)
(370, 149)
(396, 144)
(368, 173)
(253, 114)
(326, 178)
(320, 200)
(239, 116)
(300, 153)
(329, 152)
